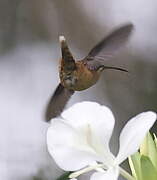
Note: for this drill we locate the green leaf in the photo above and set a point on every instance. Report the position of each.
(148, 170)
(155, 140)
(65, 176)
(135, 166)
(148, 148)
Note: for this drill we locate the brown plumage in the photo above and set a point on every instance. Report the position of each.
(82, 74)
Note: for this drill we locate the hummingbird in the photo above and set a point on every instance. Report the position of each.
(82, 74)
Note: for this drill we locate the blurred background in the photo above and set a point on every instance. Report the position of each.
(29, 53)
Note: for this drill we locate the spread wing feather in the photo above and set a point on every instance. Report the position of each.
(105, 49)
(57, 102)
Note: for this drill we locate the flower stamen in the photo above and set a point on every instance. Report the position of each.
(85, 170)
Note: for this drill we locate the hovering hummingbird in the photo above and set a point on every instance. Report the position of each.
(82, 74)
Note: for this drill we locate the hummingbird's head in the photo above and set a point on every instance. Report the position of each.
(67, 56)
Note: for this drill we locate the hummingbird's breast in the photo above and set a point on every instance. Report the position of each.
(79, 79)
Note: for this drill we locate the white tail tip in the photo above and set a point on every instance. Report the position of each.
(61, 38)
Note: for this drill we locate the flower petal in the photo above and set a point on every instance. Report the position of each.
(99, 118)
(133, 133)
(110, 174)
(65, 145)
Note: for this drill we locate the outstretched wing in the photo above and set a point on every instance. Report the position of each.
(108, 47)
(57, 102)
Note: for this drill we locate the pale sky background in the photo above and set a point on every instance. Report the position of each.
(29, 53)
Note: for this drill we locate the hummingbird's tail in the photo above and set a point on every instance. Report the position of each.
(67, 57)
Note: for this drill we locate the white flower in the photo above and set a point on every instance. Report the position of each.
(80, 137)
